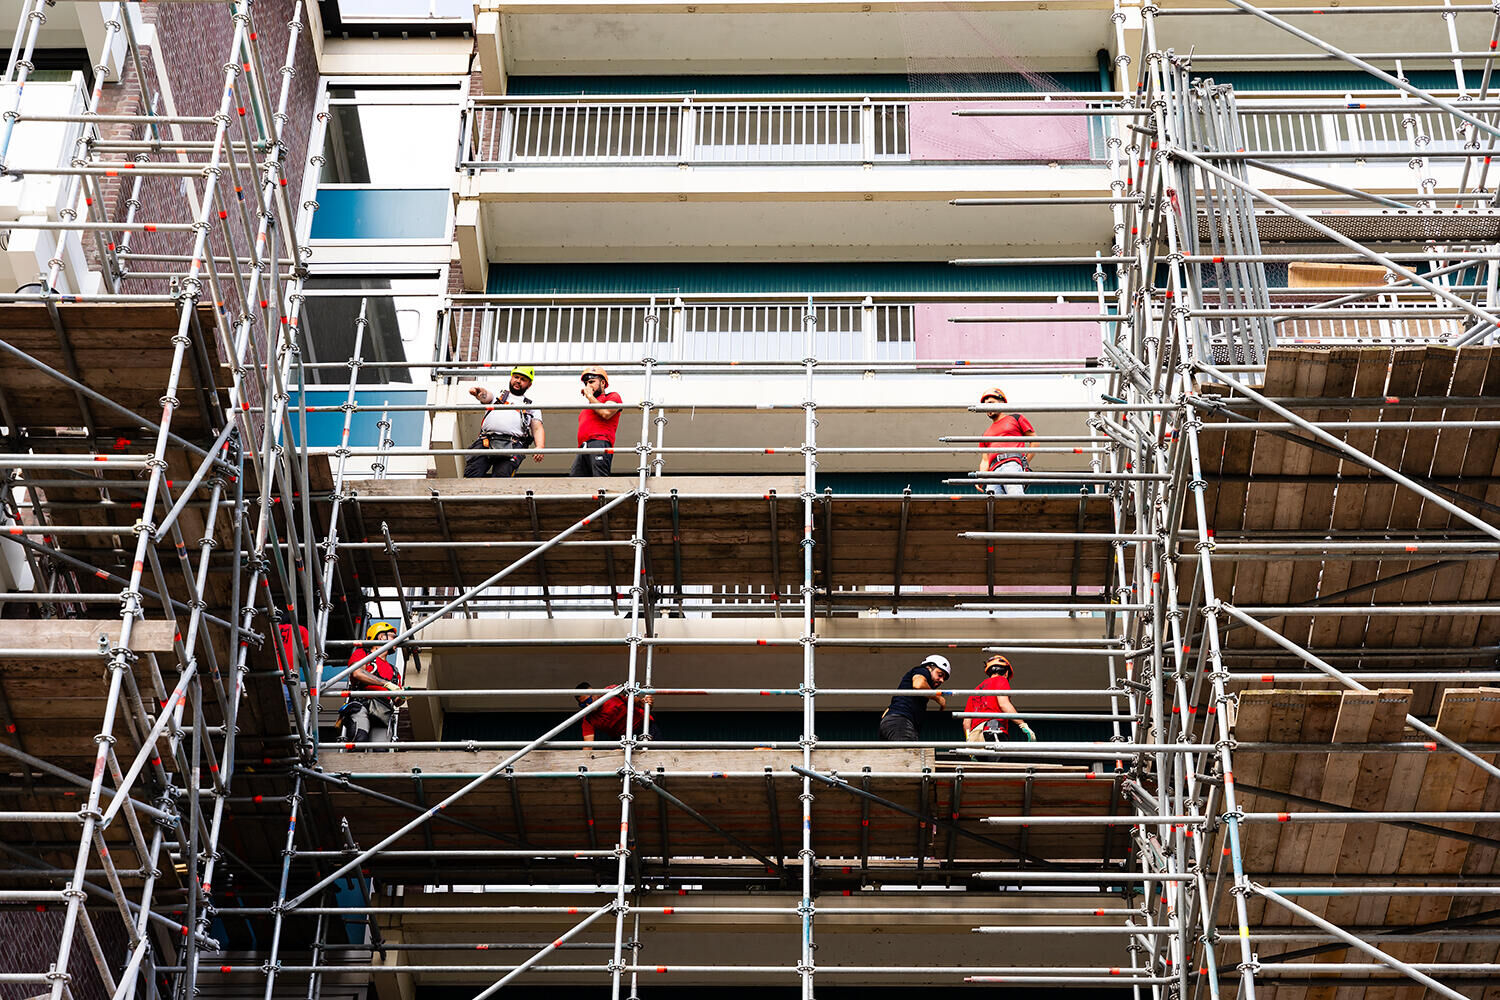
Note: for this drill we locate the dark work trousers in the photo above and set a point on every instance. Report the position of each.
(898, 729)
(493, 466)
(594, 465)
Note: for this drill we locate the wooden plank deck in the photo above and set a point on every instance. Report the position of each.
(123, 351)
(722, 533)
(1362, 504)
(550, 792)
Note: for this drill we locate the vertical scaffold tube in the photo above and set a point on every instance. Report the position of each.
(638, 582)
(120, 656)
(805, 965)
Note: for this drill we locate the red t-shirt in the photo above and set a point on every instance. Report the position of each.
(608, 720)
(988, 702)
(1009, 425)
(290, 650)
(380, 667)
(591, 428)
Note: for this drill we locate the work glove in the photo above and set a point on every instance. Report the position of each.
(1030, 736)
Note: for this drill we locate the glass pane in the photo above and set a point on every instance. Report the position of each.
(398, 330)
(381, 214)
(392, 145)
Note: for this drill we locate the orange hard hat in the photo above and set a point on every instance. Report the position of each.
(993, 391)
(583, 376)
(997, 664)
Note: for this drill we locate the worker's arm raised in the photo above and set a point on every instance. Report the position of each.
(919, 683)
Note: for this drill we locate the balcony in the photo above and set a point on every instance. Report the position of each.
(910, 344)
(761, 177)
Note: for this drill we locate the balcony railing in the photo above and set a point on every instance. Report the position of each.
(503, 132)
(749, 330)
(1353, 130)
(502, 330)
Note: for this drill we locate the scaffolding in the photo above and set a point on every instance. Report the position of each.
(1266, 541)
(140, 493)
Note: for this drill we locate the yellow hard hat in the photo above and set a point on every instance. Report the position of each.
(377, 628)
(525, 371)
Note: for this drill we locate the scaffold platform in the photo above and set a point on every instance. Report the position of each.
(120, 350)
(742, 530)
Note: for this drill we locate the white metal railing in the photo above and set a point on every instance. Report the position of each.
(748, 330)
(692, 131)
(1419, 132)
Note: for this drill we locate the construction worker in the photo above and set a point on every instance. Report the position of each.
(608, 720)
(1005, 457)
(507, 425)
(902, 721)
(997, 674)
(365, 720)
(596, 428)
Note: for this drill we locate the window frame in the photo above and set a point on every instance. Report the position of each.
(441, 89)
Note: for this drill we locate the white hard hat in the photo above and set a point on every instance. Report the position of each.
(941, 662)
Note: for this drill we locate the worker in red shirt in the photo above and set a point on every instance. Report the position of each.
(365, 720)
(608, 720)
(596, 428)
(1005, 457)
(997, 673)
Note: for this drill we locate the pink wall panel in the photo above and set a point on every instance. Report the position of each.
(938, 339)
(938, 134)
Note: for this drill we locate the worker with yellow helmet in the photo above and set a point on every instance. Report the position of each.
(508, 428)
(366, 720)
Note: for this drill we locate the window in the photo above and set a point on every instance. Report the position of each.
(388, 159)
(400, 314)
(354, 14)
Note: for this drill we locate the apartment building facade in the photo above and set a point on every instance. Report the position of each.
(804, 239)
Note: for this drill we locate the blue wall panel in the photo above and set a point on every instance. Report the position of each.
(326, 427)
(381, 214)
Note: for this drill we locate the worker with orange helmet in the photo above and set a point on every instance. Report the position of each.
(997, 673)
(1005, 452)
(365, 719)
(509, 427)
(596, 428)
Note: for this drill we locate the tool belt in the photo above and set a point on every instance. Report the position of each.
(503, 441)
(380, 709)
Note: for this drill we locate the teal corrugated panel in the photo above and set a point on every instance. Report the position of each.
(1327, 80)
(866, 83)
(750, 279)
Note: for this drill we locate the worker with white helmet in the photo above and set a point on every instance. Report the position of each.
(902, 722)
(509, 427)
(365, 720)
(997, 674)
(596, 428)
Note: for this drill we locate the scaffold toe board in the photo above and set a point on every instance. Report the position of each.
(119, 350)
